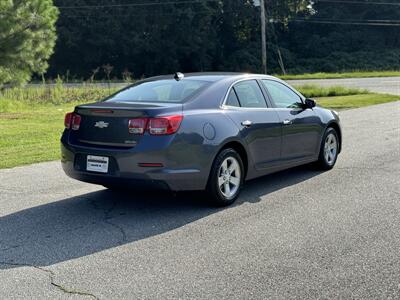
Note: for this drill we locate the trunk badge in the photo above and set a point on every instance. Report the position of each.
(101, 124)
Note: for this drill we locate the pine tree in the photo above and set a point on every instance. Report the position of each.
(27, 38)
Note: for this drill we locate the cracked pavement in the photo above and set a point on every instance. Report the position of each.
(295, 234)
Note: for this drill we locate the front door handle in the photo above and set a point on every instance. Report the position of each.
(287, 122)
(247, 123)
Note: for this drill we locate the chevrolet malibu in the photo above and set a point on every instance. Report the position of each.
(202, 131)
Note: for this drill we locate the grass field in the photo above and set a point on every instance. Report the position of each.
(46, 95)
(31, 121)
(341, 75)
(355, 101)
(313, 90)
(31, 136)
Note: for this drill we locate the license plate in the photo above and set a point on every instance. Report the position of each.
(97, 164)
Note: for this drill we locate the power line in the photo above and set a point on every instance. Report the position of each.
(318, 21)
(352, 20)
(126, 15)
(360, 2)
(137, 4)
(200, 12)
(337, 22)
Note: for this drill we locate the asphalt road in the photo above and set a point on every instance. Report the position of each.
(296, 234)
(388, 85)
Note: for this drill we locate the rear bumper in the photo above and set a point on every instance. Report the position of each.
(124, 169)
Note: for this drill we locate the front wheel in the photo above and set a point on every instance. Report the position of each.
(329, 150)
(226, 178)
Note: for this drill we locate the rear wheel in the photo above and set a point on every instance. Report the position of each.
(226, 178)
(114, 188)
(329, 150)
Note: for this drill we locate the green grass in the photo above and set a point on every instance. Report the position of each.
(44, 95)
(31, 120)
(355, 101)
(313, 90)
(31, 136)
(341, 75)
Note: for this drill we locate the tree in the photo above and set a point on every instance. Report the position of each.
(27, 38)
(144, 40)
(163, 37)
(239, 31)
(354, 40)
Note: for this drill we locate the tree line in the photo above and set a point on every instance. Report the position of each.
(97, 39)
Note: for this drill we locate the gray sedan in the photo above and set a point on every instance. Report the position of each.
(201, 131)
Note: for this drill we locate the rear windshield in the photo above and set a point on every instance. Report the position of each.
(160, 91)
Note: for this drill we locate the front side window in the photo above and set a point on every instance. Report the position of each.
(168, 90)
(249, 94)
(282, 96)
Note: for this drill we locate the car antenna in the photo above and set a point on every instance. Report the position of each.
(179, 76)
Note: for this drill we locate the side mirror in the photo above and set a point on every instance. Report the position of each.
(310, 103)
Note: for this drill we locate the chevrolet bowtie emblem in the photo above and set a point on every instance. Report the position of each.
(101, 124)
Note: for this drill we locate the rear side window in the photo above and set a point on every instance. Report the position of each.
(168, 90)
(282, 96)
(249, 94)
(232, 99)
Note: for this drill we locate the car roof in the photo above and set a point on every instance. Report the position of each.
(211, 76)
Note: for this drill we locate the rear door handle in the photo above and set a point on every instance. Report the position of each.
(287, 122)
(247, 123)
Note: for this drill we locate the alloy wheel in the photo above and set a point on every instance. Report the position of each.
(229, 177)
(330, 149)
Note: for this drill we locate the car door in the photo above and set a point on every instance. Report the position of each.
(260, 125)
(301, 127)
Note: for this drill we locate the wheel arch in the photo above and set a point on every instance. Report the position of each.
(240, 149)
(337, 128)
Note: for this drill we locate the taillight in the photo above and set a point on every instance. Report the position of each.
(165, 125)
(155, 126)
(137, 126)
(76, 122)
(73, 121)
(67, 120)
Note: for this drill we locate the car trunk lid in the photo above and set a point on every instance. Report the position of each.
(107, 123)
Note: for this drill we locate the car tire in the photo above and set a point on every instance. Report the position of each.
(226, 178)
(115, 188)
(329, 150)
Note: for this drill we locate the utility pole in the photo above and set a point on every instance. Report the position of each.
(263, 37)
